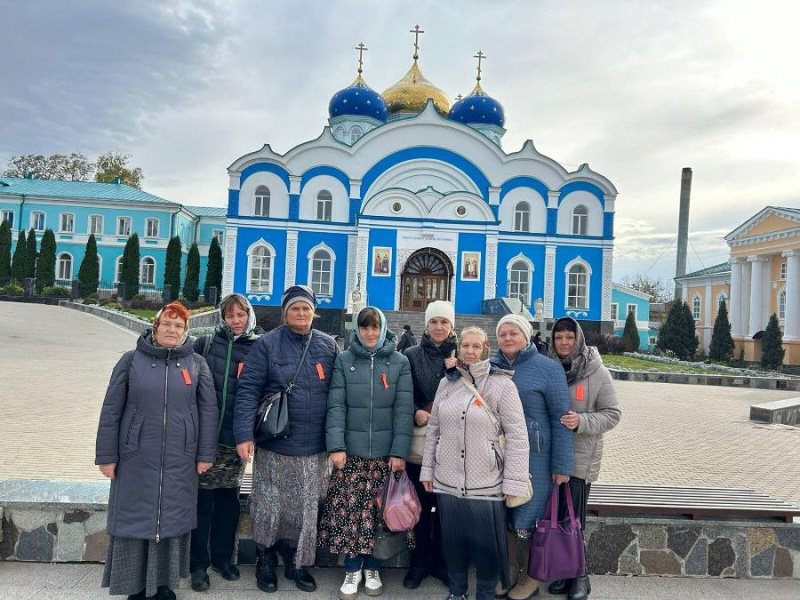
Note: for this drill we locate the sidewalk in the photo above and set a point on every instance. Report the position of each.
(35, 581)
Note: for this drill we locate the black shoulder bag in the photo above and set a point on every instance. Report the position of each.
(272, 416)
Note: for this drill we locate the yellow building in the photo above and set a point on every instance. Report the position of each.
(761, 278)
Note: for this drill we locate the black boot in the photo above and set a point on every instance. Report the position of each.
(137, 596)
(266, 563)
(414, 577)
(301, 577)
(560, 586)
(580, 589)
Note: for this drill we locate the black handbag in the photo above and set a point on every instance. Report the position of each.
(388, 543)
(272, 417)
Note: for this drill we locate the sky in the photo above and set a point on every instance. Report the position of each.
(638, 90)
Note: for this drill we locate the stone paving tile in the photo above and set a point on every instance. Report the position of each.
(55, 364)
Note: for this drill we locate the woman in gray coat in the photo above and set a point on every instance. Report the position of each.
(594, 411)
(157, 433)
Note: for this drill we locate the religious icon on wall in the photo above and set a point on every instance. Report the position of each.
(381, 261)
(470, 266)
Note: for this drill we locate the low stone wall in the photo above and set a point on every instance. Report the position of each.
(206, 319)
(64, 521)
(762, 383)
(785, 412)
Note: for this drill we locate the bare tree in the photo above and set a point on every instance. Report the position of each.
(659, 289)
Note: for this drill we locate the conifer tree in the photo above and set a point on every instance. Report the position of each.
(678, 334)
(631, 333)
(213, 268)
(191, 285)
(721, 347)
(130, 266)
(89, 273)
(46, 265)
(772, 349)
(31, 254)
(5, 252)
(172, 267)
(18, 261)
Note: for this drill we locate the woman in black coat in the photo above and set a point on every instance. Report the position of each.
(218, 499)
(157, 433)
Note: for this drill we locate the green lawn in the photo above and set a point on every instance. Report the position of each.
(147, 315)
(627, 363)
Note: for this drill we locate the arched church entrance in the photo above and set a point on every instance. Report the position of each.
(426, 278)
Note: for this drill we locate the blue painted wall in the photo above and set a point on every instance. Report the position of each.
(508, 250)
(381, 289)
(338, 243)
(275, 237)
(622, 298)
(469, 294)
(593, 256)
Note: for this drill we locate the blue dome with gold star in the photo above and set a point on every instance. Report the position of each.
(358, 99)
(478, 108)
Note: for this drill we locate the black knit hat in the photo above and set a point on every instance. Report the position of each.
(298, 293)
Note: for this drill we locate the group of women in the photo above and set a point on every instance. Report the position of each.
(176, 431)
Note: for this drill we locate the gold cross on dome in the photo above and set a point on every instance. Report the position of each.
(480, 56)
(361, 49)
(416, 31)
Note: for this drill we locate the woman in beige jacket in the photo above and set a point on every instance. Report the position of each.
(595, 410)
(465, 464)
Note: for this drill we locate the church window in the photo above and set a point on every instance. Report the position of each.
(397, 207)
(782, 304)
(339, 134)
(519, 282)
(147, 271)
(37, 221)
(118, 270)
(580, 220)
(522, 217)
(151, 227)
(8, 215)
(123, 225)
(260, 269)
(461, 211)
(696, 307)
(67, 223)
(321, 272)
(261, 208)
(64, 267)
(96, 224)
(577, 287)
(783, 271)
(324, 206)
(614, 311)
(355, 134)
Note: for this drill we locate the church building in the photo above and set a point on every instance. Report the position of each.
(409, 198)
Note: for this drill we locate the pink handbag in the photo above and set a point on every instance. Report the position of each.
(401, 506)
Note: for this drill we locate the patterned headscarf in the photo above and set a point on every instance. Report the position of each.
(575, 362)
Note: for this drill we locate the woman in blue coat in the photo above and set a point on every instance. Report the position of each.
(545, 398)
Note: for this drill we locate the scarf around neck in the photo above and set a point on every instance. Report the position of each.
(576, 361)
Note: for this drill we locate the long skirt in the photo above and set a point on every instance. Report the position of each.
(351, 515)
(136, 565)
(474, 533)
(284, 504)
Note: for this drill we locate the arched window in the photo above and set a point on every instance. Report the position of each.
(355, 134)
(260, 269)
(580, 220)
(64, 267)
(577, 287)
(118, 270)
(321, 272)
(339, 134)
(522, 217)
(147, 271)
(324, 206)
(782, 304)
(261, 207)
(519, 282)
(696, 307)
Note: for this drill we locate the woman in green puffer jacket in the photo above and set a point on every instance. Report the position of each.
(368, 433)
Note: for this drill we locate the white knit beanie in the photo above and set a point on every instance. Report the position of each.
(443, 309)
(520, 323)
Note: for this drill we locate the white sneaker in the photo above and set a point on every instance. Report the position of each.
(349, 589)
(373, 585)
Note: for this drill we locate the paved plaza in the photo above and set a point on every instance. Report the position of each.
(32, 581)
(55, 364)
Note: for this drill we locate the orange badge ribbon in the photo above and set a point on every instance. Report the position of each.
(385, 382)
(579, 392)
(186, 377)
(320, 371)
(239, 370)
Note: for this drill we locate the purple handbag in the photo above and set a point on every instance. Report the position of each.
(557, 550)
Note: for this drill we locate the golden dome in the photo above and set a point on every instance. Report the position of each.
(411, 93)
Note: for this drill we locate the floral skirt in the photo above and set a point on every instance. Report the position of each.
(284, 504)
(350, 514)
(226, 472)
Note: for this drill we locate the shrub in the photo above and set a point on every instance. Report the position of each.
(56, 291)
(12, 288)
(772, 349)
(111, 305)
(631, 333)
(678, 332)
(605, 343)
(89, 272)
(139, 301)
(191, 284)
(721, 347)
(92, 301)
(46, 266)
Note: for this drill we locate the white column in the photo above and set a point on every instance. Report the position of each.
(791, 324)
(549, 281)
(608, 261)
(362, 260)
(757, 296)
(291, 259)
(352, 270)
(708, 324)
(490, 268)
(230, 261)
(735, 302)
(744, 298)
